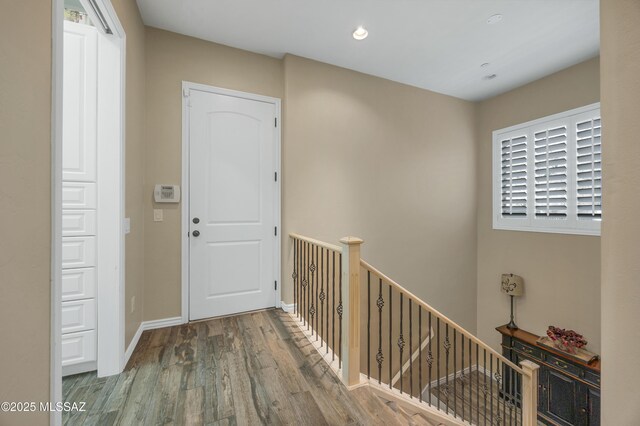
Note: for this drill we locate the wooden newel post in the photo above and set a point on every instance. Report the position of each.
(529, 393)
(351, 310)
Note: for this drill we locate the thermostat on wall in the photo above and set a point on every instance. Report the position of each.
(167, 194)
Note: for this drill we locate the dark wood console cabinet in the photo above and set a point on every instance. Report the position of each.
(568, 390)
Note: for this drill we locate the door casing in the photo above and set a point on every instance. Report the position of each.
(186, 86)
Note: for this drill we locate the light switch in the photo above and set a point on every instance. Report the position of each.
(158, 215)
(127, 225)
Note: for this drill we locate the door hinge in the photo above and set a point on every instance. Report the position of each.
(275, 176)
(275, 122)
(275, 285)
(185, 93)
(275, 231)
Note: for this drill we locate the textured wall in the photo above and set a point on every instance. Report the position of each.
(392, 164)
(561, 272)
(620, 67)
(25, 206)
(172, 58)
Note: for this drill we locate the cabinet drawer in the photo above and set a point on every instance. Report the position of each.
(78, 252)
(79, 195)
(528, 350)
(78, 347)
(78, 315)
(592, 378)
(78, 284)
(77, 223)
(563, 365)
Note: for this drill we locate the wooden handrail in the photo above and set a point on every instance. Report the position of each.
(316, 242)
(350, 351)
(434, 311)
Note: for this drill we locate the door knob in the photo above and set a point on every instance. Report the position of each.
(196, 220)
(196, 233)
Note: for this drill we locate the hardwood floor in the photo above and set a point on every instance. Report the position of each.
(250, 369)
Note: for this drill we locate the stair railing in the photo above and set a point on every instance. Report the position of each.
(375, 332)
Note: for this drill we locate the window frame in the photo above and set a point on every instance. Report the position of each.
(530, 223)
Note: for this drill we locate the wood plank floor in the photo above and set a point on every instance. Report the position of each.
(480, 408)
(250, 369)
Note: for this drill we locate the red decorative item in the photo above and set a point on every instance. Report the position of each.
(566, 340)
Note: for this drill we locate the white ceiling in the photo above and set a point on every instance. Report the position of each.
(433, 44)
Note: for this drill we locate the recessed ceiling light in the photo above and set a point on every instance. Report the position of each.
(490, 76)
(360, 33)
(494, 19)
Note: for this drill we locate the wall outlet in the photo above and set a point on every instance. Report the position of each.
(158, 215)
(127, 225)
(133, 303)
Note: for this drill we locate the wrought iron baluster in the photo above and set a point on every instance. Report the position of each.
(294, 273)
(379, 357)
(420, 352)
(315, 312)
(438, 377)
(470, 382)
(333, 306)
(312, 309)
(340, 309)
(305, 296)
(478, 382)
(491, 388)
(511, 396)
(455, 373)
(430, 357)
(484, 386)
(462, 382)
(410, 352)
(401, 342)
(390, 336)
(368, 324)
(326, 310)
(320, 317)
(447, 346)
(503, 389)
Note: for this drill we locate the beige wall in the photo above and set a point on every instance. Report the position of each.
(561, 272)
(620, 68)
(392, 164)
(25, 206)
(130, 19)
(172, 58)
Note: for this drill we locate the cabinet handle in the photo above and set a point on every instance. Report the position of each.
(583, 411)
(561, 365)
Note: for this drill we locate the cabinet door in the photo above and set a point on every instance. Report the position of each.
(561, 399)
(594, 406)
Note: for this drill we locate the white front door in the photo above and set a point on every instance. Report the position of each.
(232, 204)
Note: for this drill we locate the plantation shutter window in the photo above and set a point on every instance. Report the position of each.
(547, 174)
(589, 169)
(514, 176)
(550, 169)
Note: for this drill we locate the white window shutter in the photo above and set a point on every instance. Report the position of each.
(548, 174)
(550, 170)
(589, 168)
(513, 160)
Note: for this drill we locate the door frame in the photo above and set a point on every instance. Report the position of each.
(111, 303)
(186, 87)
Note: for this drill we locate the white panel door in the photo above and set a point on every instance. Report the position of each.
(79, 102)
(232, 143)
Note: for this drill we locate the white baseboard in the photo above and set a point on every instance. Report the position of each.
(289, 308)
(161, 323)
(149, 325)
